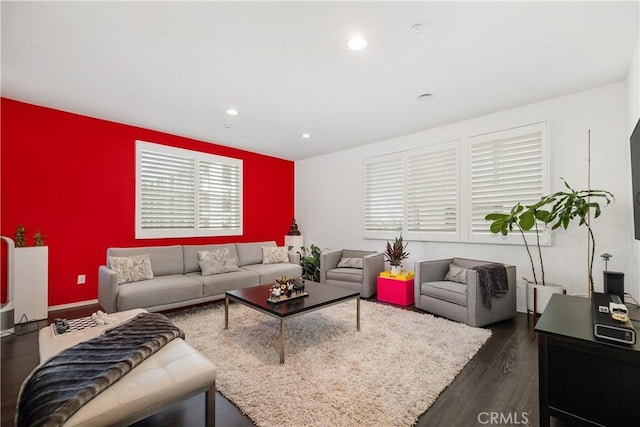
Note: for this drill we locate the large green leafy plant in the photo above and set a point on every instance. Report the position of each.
(556, 210)
(571, 204)
(310, 262)
(522, 220)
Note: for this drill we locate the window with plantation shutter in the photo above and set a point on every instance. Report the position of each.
(383, 196)
(183, 193)
(219, 196)
(432, 192)
(507, 167)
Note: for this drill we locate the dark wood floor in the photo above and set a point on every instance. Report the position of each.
(501, 378)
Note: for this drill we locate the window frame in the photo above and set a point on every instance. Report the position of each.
(445, 236)
(464, 205)
(509, 133)
(197, 157)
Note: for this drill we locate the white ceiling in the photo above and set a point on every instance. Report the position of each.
(176, 66)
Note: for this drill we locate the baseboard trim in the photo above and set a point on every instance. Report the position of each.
(72, 305)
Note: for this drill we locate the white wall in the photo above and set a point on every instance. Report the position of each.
(632, 284)
(329, 188)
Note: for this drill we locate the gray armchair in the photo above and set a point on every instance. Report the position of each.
(362, 279)
(458, 301)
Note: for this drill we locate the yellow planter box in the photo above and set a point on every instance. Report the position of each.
(404, 275)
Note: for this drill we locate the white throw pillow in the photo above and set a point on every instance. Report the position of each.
(350, 263)
(214, 266)
(221, 254)
(275, 255)
(132, 268)
(456, 274)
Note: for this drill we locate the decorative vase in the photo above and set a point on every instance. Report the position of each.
(395, 270)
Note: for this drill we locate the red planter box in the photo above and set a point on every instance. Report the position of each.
(395, 291)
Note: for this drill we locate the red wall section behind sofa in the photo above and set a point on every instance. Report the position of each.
(73, 178)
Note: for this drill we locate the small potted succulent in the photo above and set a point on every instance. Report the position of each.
(395, 253)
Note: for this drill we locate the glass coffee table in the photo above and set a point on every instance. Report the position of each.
(320, 296)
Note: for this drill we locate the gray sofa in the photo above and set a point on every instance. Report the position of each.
(458, 301)
(177, 280)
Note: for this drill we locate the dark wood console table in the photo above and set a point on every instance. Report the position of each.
(582, 380)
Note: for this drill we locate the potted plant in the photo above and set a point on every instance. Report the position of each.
(569, 205)
(310, 262)
(558, 209)
(395, 253)
(523, 219)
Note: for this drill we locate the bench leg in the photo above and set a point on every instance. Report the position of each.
(210, 408)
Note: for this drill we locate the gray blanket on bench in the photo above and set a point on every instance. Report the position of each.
(58, 388)
(492, 281)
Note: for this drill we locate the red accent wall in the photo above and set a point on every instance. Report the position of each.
(73, 178)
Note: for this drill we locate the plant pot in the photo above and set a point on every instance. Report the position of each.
(396, 269)
(543, 295)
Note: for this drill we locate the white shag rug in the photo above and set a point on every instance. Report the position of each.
(387, 374)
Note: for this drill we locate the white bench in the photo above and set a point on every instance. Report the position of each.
(176, 372)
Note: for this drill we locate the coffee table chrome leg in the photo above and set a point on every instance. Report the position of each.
(226, 312)
(281, 341)
(358, 313)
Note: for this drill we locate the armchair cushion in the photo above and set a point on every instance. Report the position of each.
(345, 274)
(446, 290)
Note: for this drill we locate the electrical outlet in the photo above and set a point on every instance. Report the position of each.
(81, 279)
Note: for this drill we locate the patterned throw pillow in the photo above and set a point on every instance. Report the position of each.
(275, 255)
(214, 266)
(456, 274)
(216, 261)
(132, 268)
(221, 254)
(350, 263)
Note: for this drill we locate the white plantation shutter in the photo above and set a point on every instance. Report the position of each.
(183, 193)
(432, 192)
(220, 198)
(507, 167)
(167, 191)
(383, 196)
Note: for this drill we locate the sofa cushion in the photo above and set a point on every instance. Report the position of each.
(456, 274)
(132, 268)
(350, 263)
(158, 291)
(353, 275)
(164, 259)
(274, 255)
(269, 272)
(251, 253)
(191, 254)
(220, 283)
(447, 291)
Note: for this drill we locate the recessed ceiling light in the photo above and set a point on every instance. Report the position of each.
(417, 28)
(425, 97)
(232, 112)
(357, 43)
(227, 125)
(306, 135)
